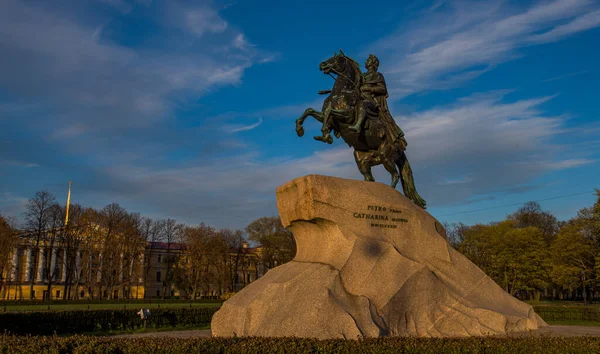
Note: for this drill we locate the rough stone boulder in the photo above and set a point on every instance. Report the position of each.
(369, 263)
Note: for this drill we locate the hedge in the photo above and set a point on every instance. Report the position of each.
(87, 344)
(564, 313)
(78, 321)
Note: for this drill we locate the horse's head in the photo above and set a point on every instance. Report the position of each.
(336, 64)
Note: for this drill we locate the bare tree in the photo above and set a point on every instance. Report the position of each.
(455, 233)
(236, 257)
(8, 243)
(218, 252)
(277, 243)
(133, 244)
(196, 276)
(72, 237)
(55, 228)
(531, 214)
(152, 232)
(112, 220)
(172, 235)
(37, 217)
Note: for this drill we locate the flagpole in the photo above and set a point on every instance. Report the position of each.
(68, 204)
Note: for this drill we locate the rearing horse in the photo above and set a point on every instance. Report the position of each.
(371, 146)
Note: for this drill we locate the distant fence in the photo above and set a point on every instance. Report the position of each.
(81, 321)
(208, 299)
(564, 313)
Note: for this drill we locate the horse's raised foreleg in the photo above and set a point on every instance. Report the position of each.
(326, 128)
(308, 112)
(363, 161)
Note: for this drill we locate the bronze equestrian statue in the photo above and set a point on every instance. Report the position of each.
(356, 109)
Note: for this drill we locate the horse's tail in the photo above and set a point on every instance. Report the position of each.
(408, 183)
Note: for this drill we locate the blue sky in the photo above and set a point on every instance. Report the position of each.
(186, 109)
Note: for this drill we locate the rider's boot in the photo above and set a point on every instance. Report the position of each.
(361, 117)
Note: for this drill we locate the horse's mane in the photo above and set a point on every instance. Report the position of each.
(356, 68)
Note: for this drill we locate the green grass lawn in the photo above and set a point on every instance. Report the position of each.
(59, 307)
(573, 323)
(561, 303)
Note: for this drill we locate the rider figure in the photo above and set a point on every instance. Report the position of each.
(374, 91)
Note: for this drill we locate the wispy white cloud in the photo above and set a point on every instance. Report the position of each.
(243, 128)
(565, 76)
(459, 180)
(462, 40)
(566, 164)
(241, 42)
(18, 163)
(12, 205)
(486, 141)
(198, 20)
(121, 5)
(581, 23)
(102, 81)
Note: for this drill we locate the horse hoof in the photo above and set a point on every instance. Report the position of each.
(300, 131)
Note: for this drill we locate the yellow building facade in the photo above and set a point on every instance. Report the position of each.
(145, 274)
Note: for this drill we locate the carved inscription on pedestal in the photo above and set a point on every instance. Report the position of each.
(381, 216)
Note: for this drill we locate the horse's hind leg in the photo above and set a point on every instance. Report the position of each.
(363, 161)
(308, 112)
(390, 166)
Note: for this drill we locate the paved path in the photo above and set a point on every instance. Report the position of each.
(194, 333)
(554, 331)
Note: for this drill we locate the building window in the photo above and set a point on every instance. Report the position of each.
(58, 294)
(82, 294)
(159, 258)
(158, 276)
(157, 293)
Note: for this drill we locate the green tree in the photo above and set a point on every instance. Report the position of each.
(520, 260)
(590, 220)
(516, 258)
(478, 244)
(573, 258)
